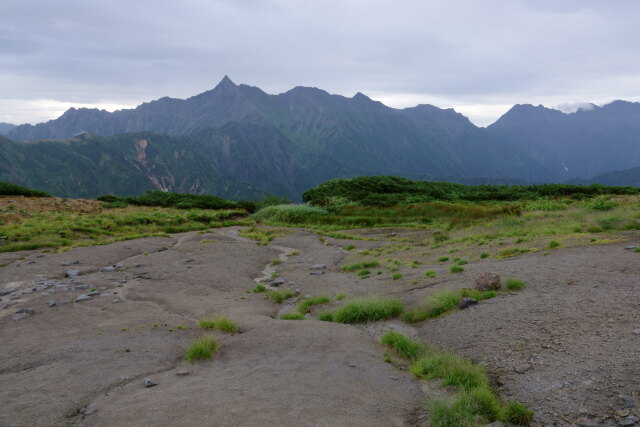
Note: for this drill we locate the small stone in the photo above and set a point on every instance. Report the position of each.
(88, 410)
(628, 421)
(318, 267)
(190, 260)
(182, 373)
(28, 311)
(278, 282)
(109, 269)
(148, 382)
(522, 368)
(73, 273)
(636, 331)
(93, 293)
(316, 272)
(626, 402)
(351, 365)
(4, 292)
(51, 302)
(467, 302)
(117, 301)
(83, 297)
(629, 248)
(623, 413)
(22, 314)
(572, 282)
(495, 424)
(68, 263)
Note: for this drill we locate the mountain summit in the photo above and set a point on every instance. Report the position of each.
(238, 141)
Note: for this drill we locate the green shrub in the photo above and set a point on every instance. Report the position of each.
(7, 189)
(220, 323)
(396, 276)
(288, 214)
(484, 255)
(451, 369)
(514, 284)
(259, 288)
(553, 244)
(305, 305)
(279, 297)
(276, 261)
(444, 413)
(637, 249)
(340, 297)
(601, 204)
(368, 310)
(175, 200)
(292, 316)
(202, 348)
(363, 273)
(443, 259)
(325, 316)
(517, 413)
(430, 274)
(404, 346)
(360, 266)
(456, 269)
(483, 402)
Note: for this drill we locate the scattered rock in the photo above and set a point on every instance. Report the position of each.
(318, 267)
(278, 282)
(73, 273)
(109, 269)
(190, 260)
(182, 373)
(627, 402)
(148, 382)
(316, 272)
(629, 421)
(488, 282)
(51, 302)
(467, 302)
(83, 297)
(572, 282)
(68, 263)
(93, 293)
(22, 314)
(88, 410)
(116, 301)
(522, 368)
(636, 331)
(4, 292)
(351, 365)
(629, 248)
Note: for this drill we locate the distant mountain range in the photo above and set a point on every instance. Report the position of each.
(237, 141)
(5, 128)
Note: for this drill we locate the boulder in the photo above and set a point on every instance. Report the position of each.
(488, 282)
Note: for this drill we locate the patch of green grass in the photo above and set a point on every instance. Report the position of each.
(462, 262)
(360, 266)
(259, 288)
(350, 247)
(484, 255)
(262, 236)
(220, 323)
(477, 294)
(456, 269)
(325, 316)
(368, 310)
(181, 327)
(292, 316)
(280, 296)
(430, 274)
(396, 276)
(517, 413)
(288, 214)
(443, 413)
(553, 244)
(511, 252)
(201, 349)
(295, 253)
(637, 249)
(340, 297)
(276, 261)
(404, 346)
(363, 273)
(451, 369)
(443, 259)
(482, 401)
(306, 305)
(514, 284)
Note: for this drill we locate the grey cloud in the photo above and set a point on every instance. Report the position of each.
(456, 52)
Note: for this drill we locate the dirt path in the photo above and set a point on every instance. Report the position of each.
(567, 350)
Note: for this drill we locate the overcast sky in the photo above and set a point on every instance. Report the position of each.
(479, 57)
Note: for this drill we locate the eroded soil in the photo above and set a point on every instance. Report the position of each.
(567, 345)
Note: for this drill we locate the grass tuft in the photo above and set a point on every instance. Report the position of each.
(514, 284)
(430, 274)
(259, 288)
(396, 276)
(279, 297)
(517, 413)
(360, 266)
(292, 316)
(201, 349)
(404, 346)
(305, 305)
(456, 269)
(220, 323)
(325, 316)
(368, 310)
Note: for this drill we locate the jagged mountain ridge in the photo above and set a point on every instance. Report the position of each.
(238, 141)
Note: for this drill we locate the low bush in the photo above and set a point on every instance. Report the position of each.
(514, 284)
(220, 323)
(430, 274)
(202, 348)
(280, 296)
(325, 316)
(288, 214)
(404, 346)
(368, 310)
(456, 269)
(8, 189)
(305, 305)
(360, 266)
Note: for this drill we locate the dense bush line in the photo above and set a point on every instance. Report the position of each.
(175, 200)
(7, 189)
(390, 190)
